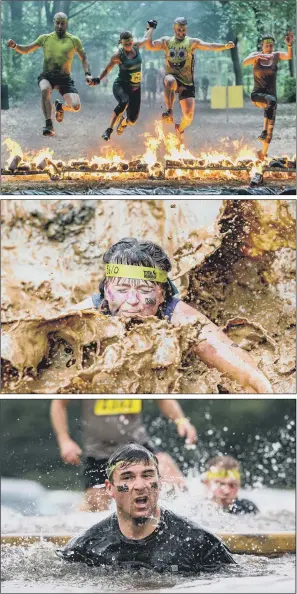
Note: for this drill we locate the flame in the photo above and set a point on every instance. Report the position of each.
(235, 158)
(14, 148)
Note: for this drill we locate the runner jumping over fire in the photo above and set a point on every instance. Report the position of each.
(179, 79)
(127, 85)
(264, 92)
(59, 48)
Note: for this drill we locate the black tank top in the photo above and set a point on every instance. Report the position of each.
(130, 68)
(265, 77)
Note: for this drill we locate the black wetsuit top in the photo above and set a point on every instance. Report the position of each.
(242, 506)
(176, 545)
(265, 78)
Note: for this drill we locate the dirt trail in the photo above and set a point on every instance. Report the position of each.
(80, 134)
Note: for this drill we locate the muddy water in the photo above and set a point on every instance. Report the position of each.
(233, 260)
(37, 569)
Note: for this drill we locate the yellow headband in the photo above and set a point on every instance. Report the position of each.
(110, 469)
(140, 272)
(222, 474)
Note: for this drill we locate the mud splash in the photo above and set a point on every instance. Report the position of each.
(233, 259)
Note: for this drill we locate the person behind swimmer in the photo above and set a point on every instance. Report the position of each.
(106, 425)
(136, 285)
(222, 481)
(141, 534)
(265, 66)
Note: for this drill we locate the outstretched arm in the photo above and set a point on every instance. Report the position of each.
(111, 64)
(215, 47)
(22, 49)
(289, 54)
(216, 349)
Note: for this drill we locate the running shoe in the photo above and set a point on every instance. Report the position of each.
(107, 134)
(122, 125)
(263, 135)
(179, 134)
(167, 116)
(59, 111)
(48, 129)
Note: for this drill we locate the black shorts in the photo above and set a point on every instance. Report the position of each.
(94, 469)
(63, 83)
(185, 91)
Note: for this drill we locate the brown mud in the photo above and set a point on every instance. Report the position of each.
(232, 259)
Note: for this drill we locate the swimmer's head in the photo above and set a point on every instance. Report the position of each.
(134, 482)
(222, 479)
(61, 23)
(267, 43)
(139, 285)
(180, 28)
(126, 40)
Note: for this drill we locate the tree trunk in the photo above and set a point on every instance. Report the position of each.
(235, 58)
(65, 6)
(16, 11)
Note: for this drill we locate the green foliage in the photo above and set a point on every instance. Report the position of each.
(289, 94)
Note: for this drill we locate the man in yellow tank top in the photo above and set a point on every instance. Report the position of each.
(179, 59)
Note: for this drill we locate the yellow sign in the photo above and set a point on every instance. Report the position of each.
(135, 77)
(220, 95)
(117, 407)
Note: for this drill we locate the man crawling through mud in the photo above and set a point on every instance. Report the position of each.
(136, 285)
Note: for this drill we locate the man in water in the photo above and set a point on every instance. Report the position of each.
(106, 425)
(179, 56)
(136, 285)
(222, 481)
(141, 533)
(59, 48)
(264, 93)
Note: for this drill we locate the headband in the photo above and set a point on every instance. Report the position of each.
(269, 39)
(220, 474)
(141, 272)
(110, 469)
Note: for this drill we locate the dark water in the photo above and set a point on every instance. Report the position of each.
(148, 189)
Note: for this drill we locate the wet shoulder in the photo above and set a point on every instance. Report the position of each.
(95, 533)
(182, 525)
(244, 506)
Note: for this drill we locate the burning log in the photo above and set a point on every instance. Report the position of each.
(14, 163)
(156, 170)
(80, 163)
(43, 164)
(257, 180)
(122, 167)
(25, 166)
(133, 164)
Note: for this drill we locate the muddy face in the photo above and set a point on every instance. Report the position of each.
(129, 298)
(135, 489)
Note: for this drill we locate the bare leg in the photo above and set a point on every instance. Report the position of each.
(46, 106)
(95, 500)
(170, 87)
(72, 102)
(187, 108)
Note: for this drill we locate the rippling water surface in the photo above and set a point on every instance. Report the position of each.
(36, 568)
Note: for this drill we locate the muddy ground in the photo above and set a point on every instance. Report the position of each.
(234, 260)
(80, 134)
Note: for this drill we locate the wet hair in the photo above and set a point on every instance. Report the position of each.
(130, 453)
(180, 21)
(265, 37)
(125, 35)
(225, 462)
(140, 253)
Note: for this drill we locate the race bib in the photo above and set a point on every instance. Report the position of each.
(117, 407)
(135, 77)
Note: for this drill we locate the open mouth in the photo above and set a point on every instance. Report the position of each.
(141, 501)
